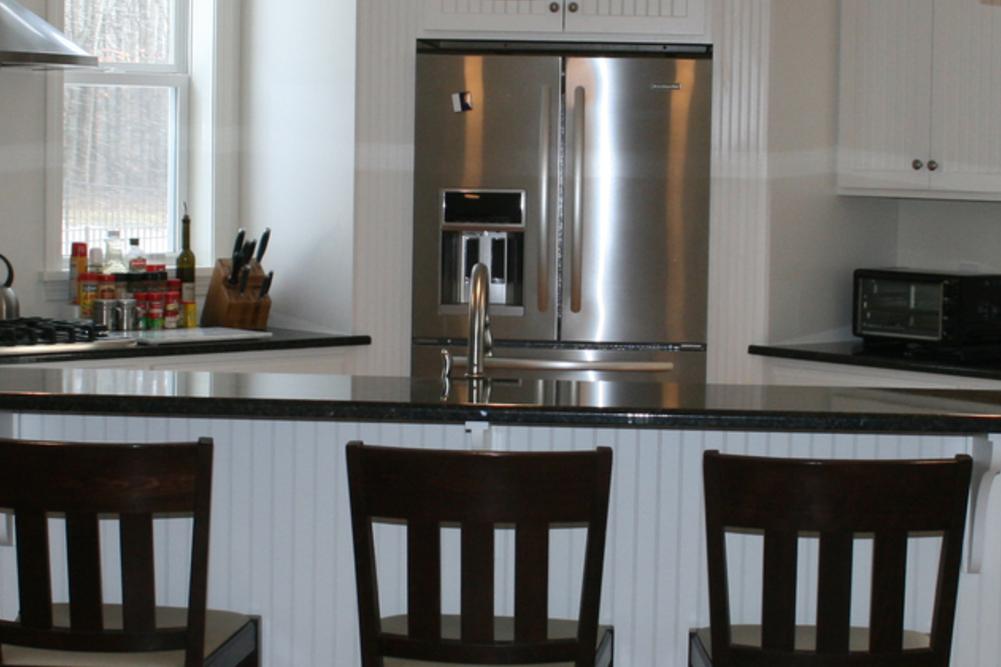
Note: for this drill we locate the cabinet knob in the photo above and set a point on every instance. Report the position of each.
(554, 7)
(932, 165)
(573, 7)
(918, 165)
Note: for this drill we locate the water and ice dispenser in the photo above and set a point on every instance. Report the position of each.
(485, 226)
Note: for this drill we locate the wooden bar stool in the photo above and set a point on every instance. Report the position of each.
(836, 500)
(478, 491)
(89, 483)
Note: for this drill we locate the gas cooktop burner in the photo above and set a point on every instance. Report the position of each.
(41, 331)
(39, 335)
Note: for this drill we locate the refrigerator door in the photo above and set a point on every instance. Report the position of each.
(636, 228)
(486, 181)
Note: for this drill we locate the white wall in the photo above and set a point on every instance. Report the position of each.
(950, 235)
(297, 162)
(22, 180)
(816, 237)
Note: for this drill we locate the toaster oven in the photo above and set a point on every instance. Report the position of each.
(932, 307)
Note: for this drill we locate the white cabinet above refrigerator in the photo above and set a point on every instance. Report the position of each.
(662, 20)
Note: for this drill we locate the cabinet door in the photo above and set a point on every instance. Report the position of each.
(886, 88)
(648, 17)
(494, 15)
(966, 109)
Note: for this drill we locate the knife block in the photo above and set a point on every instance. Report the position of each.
(226, 307)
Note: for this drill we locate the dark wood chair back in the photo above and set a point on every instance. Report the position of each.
(837, 500)
(85, 483)
(477, 491)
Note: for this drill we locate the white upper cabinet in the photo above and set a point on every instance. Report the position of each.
(494, 15)
(663, 17)
(670, 20)
(920, 93)
(966, 96)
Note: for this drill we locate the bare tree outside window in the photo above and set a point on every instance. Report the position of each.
(120, 126)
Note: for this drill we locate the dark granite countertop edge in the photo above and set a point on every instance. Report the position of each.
(809, 353)
(366, 411)
(281, 339)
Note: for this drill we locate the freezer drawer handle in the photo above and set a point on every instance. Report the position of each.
(566, 365)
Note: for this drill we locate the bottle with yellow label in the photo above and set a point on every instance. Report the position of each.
(186, 274)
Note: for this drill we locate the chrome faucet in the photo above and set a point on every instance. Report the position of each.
(480, 340)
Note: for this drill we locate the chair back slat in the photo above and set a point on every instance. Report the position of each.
(778, 600)
(33, 574)
(889, 566)
(477, 583)
(839, 500)
(85, 481)
(531, 582)
(138, 576)
(83, 564)
(479, 491)
(948, 576)
(834, 587)
(424, 580)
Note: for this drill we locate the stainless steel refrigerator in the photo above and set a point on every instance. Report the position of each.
(580, 177)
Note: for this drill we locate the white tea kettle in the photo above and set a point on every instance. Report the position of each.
(9, 307)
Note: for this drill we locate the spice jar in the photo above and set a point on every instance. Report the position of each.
(154, 310)
(88, 293)
(121, 285)
(105, 286)
(156, 278)
(141, 310)
(171, 310)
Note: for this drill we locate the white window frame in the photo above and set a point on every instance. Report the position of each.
(206, 171)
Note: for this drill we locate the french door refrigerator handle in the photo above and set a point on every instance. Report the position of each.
(576, 234)
(545, 251)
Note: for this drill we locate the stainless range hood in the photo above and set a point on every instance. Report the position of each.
(27, 40)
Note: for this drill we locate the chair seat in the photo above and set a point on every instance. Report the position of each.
(503, 631)
(220, 628)
(806, 638)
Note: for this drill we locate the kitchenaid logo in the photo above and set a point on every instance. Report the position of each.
(665, 86)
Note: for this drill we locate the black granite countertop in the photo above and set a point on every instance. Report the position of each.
(510, 401)
(892, 356)
(280, 339)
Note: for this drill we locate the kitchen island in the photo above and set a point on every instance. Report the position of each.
(281, 542)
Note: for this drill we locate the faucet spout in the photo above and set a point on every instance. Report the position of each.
(480, 340)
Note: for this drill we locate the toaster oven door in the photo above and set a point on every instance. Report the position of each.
(899, 308)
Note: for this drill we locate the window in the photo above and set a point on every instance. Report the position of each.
(124, 127)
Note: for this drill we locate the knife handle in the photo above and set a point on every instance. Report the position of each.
(238, 245)
(262, 245)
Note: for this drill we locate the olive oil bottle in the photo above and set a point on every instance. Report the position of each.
(186, 274)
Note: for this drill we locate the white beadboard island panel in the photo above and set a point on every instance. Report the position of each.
(281, 543)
